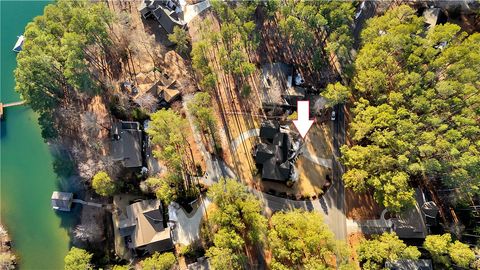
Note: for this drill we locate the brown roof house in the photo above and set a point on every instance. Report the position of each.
(166, 90)
(127, 144)
(144, 228)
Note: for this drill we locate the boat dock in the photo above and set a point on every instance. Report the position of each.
(62, 201)
(2, 106)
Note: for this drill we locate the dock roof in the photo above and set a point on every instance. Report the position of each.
(62, 200)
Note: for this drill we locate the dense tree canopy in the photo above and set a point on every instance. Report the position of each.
(167, 188)
(120, 267)
(374, 253)
(181, 38)
(157, 261)
(301, 240)
(168, 131)
(416, 115)
(103, 184)
(444, 251)
(78, 259)
(236, 223)
(304, 21)
(54, 63)
(336, 93)
(204, 116)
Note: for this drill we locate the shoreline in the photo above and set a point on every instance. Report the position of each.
(8, 257)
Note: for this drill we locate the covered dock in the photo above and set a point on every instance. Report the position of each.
(62, 201)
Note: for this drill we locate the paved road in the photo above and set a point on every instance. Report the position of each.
(335, 196)
(367, 12)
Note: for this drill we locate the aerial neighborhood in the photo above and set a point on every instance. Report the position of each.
(279, 134)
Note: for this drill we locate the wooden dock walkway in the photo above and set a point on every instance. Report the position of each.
(11, 104)
(87, 203)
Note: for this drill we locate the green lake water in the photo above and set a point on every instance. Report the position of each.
(40, 235)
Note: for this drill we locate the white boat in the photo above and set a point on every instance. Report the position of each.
(18, 46)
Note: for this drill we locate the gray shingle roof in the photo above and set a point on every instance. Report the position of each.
(144, 224)
(421, 264)
(127, 145)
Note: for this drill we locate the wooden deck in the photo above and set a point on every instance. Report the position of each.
(12, 104)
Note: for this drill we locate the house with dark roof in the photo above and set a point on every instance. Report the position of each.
(144, 228)
(168, 13)
(127, 144)
(273, 156)
(269, 129)
(415, 222)
(421, 264)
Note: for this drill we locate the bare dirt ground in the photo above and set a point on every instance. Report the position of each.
(197, 156)
(319, 139)
(361, 206)
(353, 242)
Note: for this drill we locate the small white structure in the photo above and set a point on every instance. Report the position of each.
(18, 46)
(62, 201)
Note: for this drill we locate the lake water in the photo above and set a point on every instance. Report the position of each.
(40, 236)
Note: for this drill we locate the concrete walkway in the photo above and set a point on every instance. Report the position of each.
(325, 162)
(191, 11)
(88, 203)
(187, 226)
(243, 137)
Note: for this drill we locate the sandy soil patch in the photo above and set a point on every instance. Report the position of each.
(196, 155)
(319, 139)
(353, 242)
(361, 206)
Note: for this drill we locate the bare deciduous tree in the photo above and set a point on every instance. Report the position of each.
(88, 232)
(148, 102)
